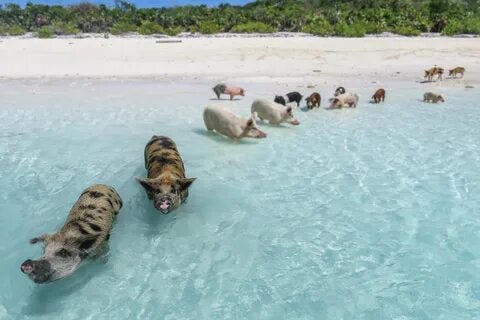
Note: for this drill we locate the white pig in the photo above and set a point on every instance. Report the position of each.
(344, 100)
(273, 112)
(229, 124)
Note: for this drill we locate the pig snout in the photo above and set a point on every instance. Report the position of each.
(295, 122)
(164, 204)
(262, 134)
(39, 271)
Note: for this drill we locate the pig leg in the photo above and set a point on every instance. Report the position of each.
(38, 239)
(102, 252)
(208, 125)
(231, 97)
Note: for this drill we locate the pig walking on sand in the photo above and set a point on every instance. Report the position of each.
(229, 124)
(166, 184)
(84, 234)
(232, 91)
(273, 112)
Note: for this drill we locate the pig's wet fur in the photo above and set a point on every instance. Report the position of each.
(166, 184)
(84, 233)
(227, 123)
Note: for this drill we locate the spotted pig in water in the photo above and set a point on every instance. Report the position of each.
(84, 234)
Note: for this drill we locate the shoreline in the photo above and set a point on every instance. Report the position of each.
(196, 35)
(241, 60)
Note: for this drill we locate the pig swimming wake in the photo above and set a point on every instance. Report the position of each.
(166, 184)
(84, 234)
(273, 112)
(229, 124)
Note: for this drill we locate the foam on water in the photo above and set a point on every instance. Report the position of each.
(355, 214)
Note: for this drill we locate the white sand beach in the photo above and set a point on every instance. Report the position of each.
(240, 59)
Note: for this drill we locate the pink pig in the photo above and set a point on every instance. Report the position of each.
(230, 90)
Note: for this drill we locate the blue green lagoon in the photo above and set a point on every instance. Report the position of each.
(367, 213)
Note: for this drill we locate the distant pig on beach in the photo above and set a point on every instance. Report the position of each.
(289, 97)
(273, 112)
(225, 122)
(230, 90)
(84, 234)
(344, 100)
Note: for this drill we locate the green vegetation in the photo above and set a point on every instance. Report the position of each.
(348, 18)
(252, 27)
(11, 31)
(45, 32)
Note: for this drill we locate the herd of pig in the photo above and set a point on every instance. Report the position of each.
(225, 122)
(87, 229)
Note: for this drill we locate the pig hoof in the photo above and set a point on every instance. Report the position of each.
(34, 240)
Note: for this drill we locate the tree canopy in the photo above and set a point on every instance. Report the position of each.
(348, 18)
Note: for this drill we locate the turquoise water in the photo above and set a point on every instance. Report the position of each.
(370, 213)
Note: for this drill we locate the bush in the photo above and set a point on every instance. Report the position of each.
(406, 31)
(319, 28)
(466, 26)
(253, 27)
(350, 30)
(173, 31)
(149, 27)
(16, 31)
(45, 32)
(207, 27)
(61, 28)
(122, 27)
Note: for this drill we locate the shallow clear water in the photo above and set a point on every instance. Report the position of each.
(370, 213)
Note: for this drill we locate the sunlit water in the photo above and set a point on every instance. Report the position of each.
(370, 213)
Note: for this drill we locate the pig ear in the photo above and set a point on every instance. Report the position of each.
(186, 182)
(146, 183)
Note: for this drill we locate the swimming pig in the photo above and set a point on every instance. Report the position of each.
(313, 100)
(84, 234)
(230, 90)
(166, 184)
(274, 112)
(289, 97)
(229, 124)
(344, 100)
(432, 97)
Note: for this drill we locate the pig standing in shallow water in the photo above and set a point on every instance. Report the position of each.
(229, 124)
(273, 112)
(84, 234)
(344, 100)
(230, 90)
(166, 184)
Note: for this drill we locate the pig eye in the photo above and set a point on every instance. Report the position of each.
(63, 253)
